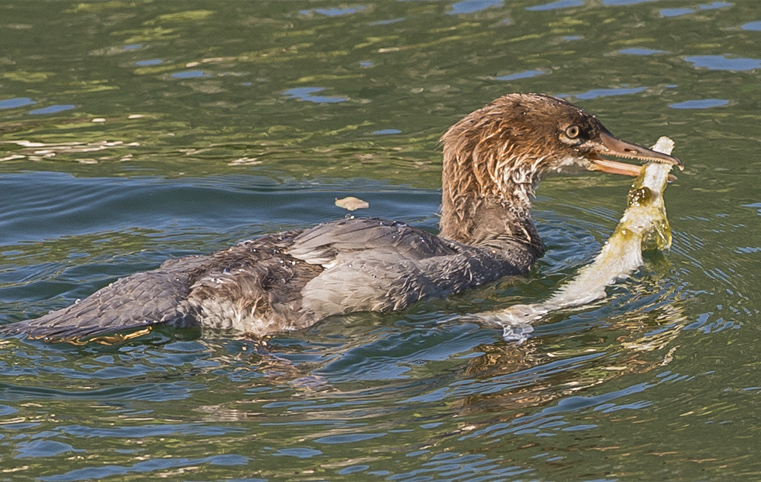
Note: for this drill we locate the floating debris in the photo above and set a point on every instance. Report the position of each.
(352, 203)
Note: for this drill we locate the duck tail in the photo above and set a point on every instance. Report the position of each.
(136, 302)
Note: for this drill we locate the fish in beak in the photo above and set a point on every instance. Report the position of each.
(609, 144)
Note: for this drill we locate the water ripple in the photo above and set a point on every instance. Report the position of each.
(306, 94)
(722, 62)
(145, 467)
(556, 5)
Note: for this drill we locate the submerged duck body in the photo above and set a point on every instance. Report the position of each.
(494, 159)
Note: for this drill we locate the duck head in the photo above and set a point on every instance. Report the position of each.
(497, 155)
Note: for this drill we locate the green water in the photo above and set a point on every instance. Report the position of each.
(135, 131)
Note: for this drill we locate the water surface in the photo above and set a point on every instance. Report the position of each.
(135, 131)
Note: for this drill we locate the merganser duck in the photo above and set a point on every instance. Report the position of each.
(494, 159)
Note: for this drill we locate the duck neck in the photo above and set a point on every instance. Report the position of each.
(488, 212)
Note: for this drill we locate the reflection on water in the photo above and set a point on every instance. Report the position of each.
(36, 151)
(370, 386)
(136, 131)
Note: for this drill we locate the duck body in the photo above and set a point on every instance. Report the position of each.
(493, 160)
(286, 281)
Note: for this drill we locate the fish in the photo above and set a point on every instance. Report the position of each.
(643, 226)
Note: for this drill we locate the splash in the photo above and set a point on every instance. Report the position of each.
(643, 226)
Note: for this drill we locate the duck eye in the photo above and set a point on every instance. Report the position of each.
(572, 132)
